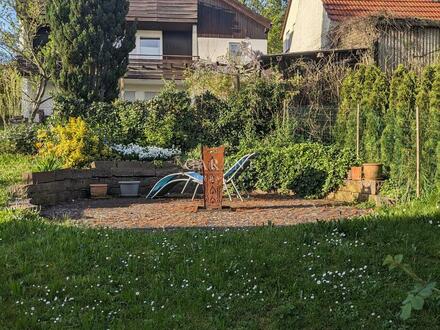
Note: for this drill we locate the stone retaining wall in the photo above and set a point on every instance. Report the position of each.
(51, 188)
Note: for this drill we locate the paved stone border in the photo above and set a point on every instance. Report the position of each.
(52, 188)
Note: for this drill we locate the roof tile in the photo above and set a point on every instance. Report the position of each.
(423, 9)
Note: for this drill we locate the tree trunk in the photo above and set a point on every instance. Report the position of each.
(36, 103)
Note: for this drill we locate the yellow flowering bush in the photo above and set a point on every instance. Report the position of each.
(74, 144)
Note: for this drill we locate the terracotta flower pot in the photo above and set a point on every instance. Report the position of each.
(373, 171)
(356, 173)
(98, 190)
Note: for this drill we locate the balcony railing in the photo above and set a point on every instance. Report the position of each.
(159, 67)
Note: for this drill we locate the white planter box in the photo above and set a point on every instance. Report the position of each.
(129, 188)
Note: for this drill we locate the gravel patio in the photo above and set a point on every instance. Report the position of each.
(261, 210)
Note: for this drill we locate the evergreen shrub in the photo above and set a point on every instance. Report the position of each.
(306, 169)
(19, 139)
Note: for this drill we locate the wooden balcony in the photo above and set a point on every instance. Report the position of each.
(169, 67)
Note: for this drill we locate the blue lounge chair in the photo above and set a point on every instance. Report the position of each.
(167, 183)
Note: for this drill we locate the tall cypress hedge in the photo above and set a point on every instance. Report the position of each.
(401, 119)
(428, 157)
(373, 108)
(388, 122)
(367, 87)
(432, 142)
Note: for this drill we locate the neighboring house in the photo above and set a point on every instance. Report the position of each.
(172, 35)
(397, 31)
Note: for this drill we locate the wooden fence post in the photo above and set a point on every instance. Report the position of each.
(418, 152)
(358, 131)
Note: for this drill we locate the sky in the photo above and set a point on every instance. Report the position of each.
(6, 17)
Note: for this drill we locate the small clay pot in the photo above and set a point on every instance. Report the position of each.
(98, 190)
(356, 173)
(373, 171)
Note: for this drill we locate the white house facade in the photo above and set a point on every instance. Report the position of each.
(308, 23)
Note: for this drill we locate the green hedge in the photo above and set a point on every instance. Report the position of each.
(307, 169)
(388, 124)
(174, 119)
(19, 139)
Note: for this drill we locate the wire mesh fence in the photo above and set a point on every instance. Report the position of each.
(314, 124)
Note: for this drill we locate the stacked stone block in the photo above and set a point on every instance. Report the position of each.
(61, 186)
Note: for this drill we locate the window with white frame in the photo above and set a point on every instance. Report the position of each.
(129, 96)
(149, 95)
(150, 47)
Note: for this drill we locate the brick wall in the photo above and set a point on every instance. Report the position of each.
(51, 188)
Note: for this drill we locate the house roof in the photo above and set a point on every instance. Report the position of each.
(342, 9)
(182, 11)
(423, 9)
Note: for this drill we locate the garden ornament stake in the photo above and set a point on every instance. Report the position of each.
(213, 167)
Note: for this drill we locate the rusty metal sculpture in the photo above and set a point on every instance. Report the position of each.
(213, 168)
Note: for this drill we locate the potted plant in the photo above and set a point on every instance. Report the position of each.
(129, 188)
(373, 171)
(98, 190)
(356, 173)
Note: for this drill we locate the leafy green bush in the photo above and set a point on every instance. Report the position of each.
(210, 112)
(19, 139)
(307, 169)
(255, 107)
(66, 107)
(103, 119)
(132, 117)
(171, 120)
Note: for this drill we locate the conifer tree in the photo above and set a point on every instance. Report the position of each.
(373, 109)
(428, 157)
(388, 135)
(344, 110)
(432, 142)
(351, 96)
(90, 41)
(398, 139)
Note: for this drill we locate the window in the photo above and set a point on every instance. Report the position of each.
(288, 42)
(151, 47)
(129, 96)
(234, 49)
(149, 95)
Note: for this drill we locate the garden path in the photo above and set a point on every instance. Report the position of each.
(180, 213)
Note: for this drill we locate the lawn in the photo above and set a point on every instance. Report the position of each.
(324, 275)
(11, 169)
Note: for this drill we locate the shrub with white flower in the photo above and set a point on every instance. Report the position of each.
(136, 152)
